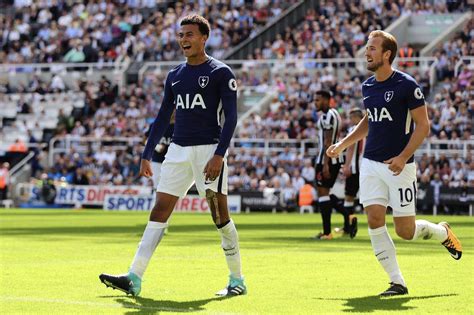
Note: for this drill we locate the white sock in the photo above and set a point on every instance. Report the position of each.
(151, 238)
(230, 245)
(384, 250)
(427, 230)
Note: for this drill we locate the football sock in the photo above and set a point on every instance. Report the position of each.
(348, 210)
(427, 230)
(230, 245)
(385, 253)
(151, 238)
(325, 207)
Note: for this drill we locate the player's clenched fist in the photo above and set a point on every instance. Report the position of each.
(145, 168)
(334, 150)
(213, 168)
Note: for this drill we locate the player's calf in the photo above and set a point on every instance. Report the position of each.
(405, 232)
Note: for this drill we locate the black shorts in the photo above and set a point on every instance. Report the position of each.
(327, 182)
(352, 185)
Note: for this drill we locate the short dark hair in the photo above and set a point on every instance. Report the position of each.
(324, 93)
(204, 26)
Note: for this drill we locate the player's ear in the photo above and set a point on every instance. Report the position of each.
(387, 55)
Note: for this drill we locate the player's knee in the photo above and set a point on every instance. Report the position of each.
(375, 221)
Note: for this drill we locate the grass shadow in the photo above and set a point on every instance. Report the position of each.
(142, 305)
(369, 304)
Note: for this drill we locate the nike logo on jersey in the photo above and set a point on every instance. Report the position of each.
(174, 83)
(207, 182)
(366, 97)
(404, 205)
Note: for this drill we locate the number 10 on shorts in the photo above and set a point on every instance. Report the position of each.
(407, 195)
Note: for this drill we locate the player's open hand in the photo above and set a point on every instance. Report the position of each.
(213, 168)
(396, 164)
(145, 168)
(334, 150)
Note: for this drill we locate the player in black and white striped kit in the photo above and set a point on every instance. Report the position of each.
(327, 169)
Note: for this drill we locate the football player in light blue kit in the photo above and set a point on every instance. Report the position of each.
(396, 123)
(201, 90)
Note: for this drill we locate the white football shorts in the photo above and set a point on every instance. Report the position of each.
(378, 186)
(184, 166)
(156, 168)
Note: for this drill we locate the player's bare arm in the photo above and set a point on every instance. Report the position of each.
(327, 144)
(421, 131)
(359, 132)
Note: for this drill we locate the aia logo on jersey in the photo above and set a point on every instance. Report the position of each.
(388, 96)
(378, 115)
(203, 81)
(185, 102)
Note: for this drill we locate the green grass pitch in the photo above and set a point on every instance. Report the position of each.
(50, 261)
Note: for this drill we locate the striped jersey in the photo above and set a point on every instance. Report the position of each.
(358, 151)
(329, 121)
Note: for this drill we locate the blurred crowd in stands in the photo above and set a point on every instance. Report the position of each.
(340, 28)
(106, 31)
(292, 113)
(117, 31)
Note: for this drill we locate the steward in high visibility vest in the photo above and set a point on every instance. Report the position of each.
(306, 195)
(406, 52)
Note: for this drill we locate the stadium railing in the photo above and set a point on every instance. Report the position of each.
(463, 61)
(21, 73)
(304, 148)
(64, 144)
(308, 147)
(278, 67)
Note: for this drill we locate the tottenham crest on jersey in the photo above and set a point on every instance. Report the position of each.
(388, 96)
(203, 81)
